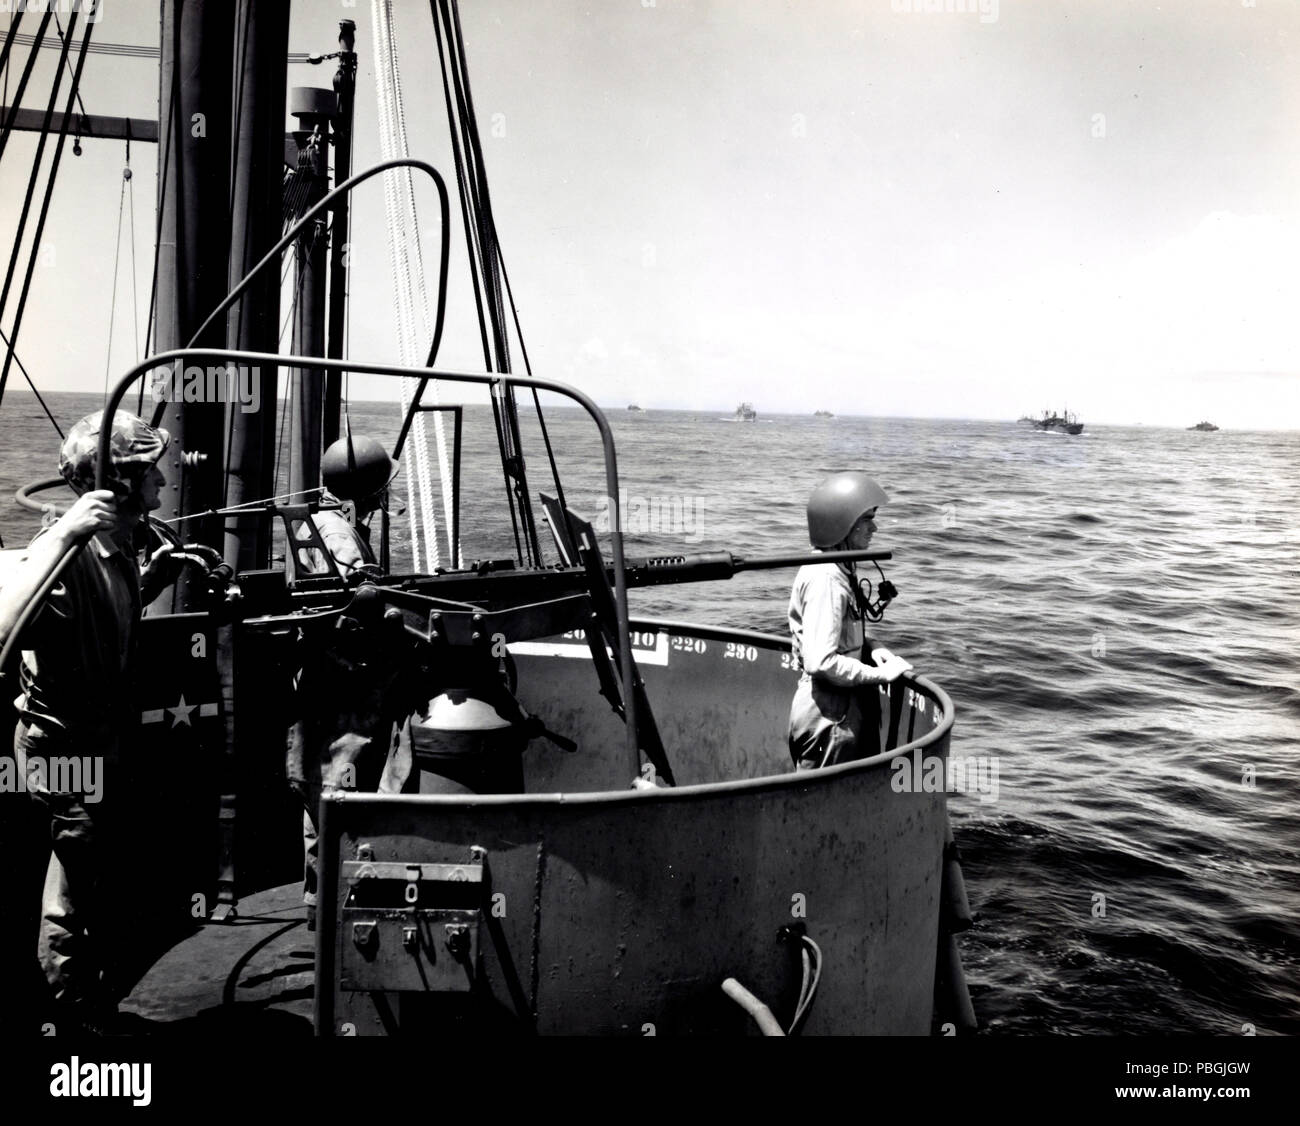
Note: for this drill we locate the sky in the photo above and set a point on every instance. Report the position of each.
(863, 206)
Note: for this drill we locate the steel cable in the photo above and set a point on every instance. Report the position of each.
(49, 193)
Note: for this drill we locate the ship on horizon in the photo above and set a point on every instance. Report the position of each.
(1053, 423)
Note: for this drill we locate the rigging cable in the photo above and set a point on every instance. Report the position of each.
(395, 253)
(49, 193)
(411, 293)
(287, 414)
(445, 61)
(487, 239)
(30, 384)
(165, 143)
(31, 184)
(135, 297)
(537, 402)
(117, 258)
(22, 83)
(143, 51)
(15, 18)
(407, 194)
(489, 252)
(58, 26)
(491, 272)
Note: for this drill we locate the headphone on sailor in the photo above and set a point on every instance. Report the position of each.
(134, 450)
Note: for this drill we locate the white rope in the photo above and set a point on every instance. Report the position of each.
(406, 195)
(381, 14)
(390, 206)
(414, 327)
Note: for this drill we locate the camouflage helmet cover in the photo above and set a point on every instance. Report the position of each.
(134, 443)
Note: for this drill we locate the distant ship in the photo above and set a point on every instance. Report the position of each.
(822, 414)
(634, 407)
(746, 413)
(1203, 426)
(1065, 423)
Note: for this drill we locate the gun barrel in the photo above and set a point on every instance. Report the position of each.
(713, 565)
(770, 562)
(506, 586)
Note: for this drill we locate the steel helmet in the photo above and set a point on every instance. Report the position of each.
(133, 444)
(837, 503)
(356, 467)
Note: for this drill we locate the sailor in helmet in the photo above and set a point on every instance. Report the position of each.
(75, 681)
(359, 470)
(349, 699)
(828, 723)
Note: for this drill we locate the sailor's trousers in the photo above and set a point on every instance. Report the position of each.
(76, 946)
(830, 724)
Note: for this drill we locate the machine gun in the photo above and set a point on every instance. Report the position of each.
(462, 621)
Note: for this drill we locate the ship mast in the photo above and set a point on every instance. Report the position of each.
(345, 82)
(193, 183)
(313, 108)
(256, 190)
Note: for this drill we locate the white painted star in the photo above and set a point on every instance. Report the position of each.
(181, 712)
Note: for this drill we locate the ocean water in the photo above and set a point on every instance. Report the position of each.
(1115, 616)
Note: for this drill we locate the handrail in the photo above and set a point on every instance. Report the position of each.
(323, 364)
(23, 494)
(310, 214)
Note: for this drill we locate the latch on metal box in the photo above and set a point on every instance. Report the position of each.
(411, 927)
